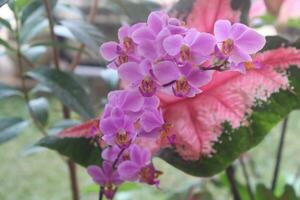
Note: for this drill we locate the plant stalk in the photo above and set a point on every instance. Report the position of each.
(246, 175)
(232, 182)
(52, 34)
(73, 179)
(91, 19)
(279, 153)
(66, 112)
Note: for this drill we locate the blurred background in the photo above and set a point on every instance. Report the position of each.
(34, 173)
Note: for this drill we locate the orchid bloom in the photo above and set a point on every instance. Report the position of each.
(139, 167)
(106, 177)
(237, 42)
(194, 47)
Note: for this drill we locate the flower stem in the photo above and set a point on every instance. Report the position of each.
(73, 178)
(101, 193)
(279, 153)
(232, 182)
(246, 175)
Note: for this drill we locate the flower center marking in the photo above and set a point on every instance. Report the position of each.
(185, 53)
(227, 47)
(147, 87)
(182, 87)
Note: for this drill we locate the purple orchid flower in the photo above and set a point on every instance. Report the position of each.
(106, 177)
(112, 153)
(151, 123)
(237, 41)
(118, 129)
(139, 167)
(131, 102)
(139, 76)
(185, 81)
(194, 47)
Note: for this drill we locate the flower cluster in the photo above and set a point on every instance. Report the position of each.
(160, 56)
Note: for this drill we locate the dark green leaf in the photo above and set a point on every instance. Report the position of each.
(244, 7)
(289, 193)
(7, 91)
(85, 33)
(2, 2)
(66, 88)
(263, 193)
(80, 150)
(274, 42)
(5, 44)
(35, 6)
(5, 23)
(40, 107)
(10, 128)
(136, 11)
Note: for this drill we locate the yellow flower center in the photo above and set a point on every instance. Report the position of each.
(185, 53)
(227, 47)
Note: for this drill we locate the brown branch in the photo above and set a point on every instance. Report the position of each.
(246, 175)
(52, 34)
(232, 182)
(66, 112)
(91, 19)
(73, 179)
(279, 153)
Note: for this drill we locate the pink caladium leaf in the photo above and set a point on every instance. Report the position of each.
(231, 98)
(87, 129)
(205, 13)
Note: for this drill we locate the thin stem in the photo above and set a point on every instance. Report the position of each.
(91, 19)
(66, 112)
(52, 34)
(246, 175)
(73, 178)
(118, 157)
(279, 153)
(23, 81)
(232, 182)
(101, 193)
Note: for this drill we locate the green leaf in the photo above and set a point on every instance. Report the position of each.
(34, 7)
(66, 88)
(80, 150)
(5, 44)
(289, 193)
(2, 2)
(5, 23)
(85, 33)
(10, 128)
(7, 91)
(40, 107)
(263, 193)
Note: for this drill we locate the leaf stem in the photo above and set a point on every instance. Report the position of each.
(279, 153)
(246, 175)
(232, 182)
